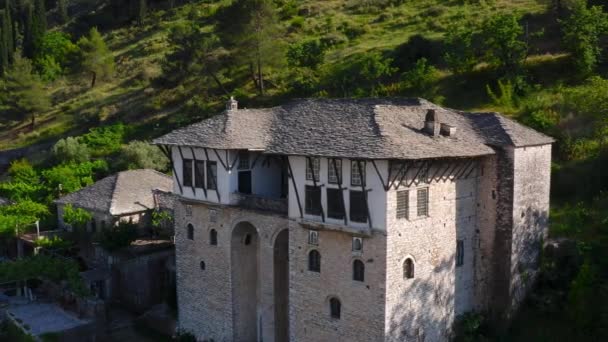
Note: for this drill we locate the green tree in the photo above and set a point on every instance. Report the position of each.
(309, 54)
(23, 91)
(67, 178)
(5, 40)
(583, 31)
(118, 237)
(18, 218)
(142, 155)
(71, 149)
(96, 57)
(77, 218)
(504, 46)
(21, 170)
(56, 54)
(251, 27)
(62, 10)
(421, 80)
(461, 55)
(142, 10)
(35, 27)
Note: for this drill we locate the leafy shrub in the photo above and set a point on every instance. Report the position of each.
(67, 178)
(54, 243)
(421, 80)
(71, 149)
(105, 140)
(362, 76)
(118, 237)
(406, 55)
(469, 326)
(142, 155)
(308, 54)
(22, 171)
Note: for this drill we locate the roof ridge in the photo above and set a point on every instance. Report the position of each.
(113, 197)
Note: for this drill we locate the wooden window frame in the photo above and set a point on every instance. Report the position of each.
(422, 210)
(403, 204)
(188, 177)
(316, 168)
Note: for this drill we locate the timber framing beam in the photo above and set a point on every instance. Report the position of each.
(361, 175)
(340, 188)
(167, 151)
(181, 154)
(318, 186)
(217, 191)
(295, 188)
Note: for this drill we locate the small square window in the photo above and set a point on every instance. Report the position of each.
(357, 172)
(312, 200)
(403, 204)
(243, 160)
(357, 244)
(313, 237)
(423, 202)
(334, 171)
(313, 165)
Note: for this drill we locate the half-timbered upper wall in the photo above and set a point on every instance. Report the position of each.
(376, 194)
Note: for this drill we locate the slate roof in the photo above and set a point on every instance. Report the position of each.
(122, 193)
(355, 128)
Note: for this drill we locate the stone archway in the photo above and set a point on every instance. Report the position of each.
(245, 281)
(281, 286)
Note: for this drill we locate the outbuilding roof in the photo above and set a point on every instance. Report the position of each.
(122, 193)
(356, 128)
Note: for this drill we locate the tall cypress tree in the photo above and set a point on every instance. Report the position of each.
(28, 36)
(142, 9)
(62, 10)
(4, 38)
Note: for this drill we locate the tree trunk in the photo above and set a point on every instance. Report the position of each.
(253, 75)
(260, 76)
(217, 80)
(94, 79)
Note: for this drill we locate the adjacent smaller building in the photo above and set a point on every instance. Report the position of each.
(125, 196)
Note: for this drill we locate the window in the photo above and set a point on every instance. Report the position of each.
(358, 207)
(408, 268)
(403, 204)
(358, 270)
(244, 178)
(202, 265)
(199, 174)
(187, 172)
(247, 240)
(314, 261)
(335, 308)
(334, 171)
(313, 237)
(213, 237)
(313, 200)
(93, 226)
(459, 252)
(357, 244)
(316, 165)
(335, 204)
(423, 202)
(357, 172)
(243, 160)
(190, 230)
(211, 175)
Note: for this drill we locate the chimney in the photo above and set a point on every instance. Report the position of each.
(232, 104)
(448, 130)
(431, 123)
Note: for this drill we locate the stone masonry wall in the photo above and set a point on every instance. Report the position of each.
(205, 296)
(423, 308)
(362, 314)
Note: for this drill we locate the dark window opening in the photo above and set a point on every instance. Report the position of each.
(423, 202)
(314, 261)
(190, 232)
(313, 200)
(408, 268)
(459, 253)
(103, 225)
(199, 174)
(403, 204)
(187, 172)
(211, 175)
(93, 226)
(335, 204)
(335, 308)
(247, 240)
(203, 265)
(358, 270)
(357, 244)
(358, 207)
(357, 173)
(334, 171)
(245, 182)
(213, 237)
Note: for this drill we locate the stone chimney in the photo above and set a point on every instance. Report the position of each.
(232, 104)
(448, 130)
(432, 124)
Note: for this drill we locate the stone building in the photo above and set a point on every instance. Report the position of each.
(354, 220)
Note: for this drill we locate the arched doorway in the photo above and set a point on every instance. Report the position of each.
(281, 286)
(245, 283)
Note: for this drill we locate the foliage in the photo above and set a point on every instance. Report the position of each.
(590, 100)
(468, 327)
(503, 42)
(309, 54)
(461, 55)
(421, 80)
(54, 243)
(22, 171)
(15, 219)
(161, 218)
(23, 91)
(142, 155)
(505, 97)
(583, 31)
(44, 267)
(71, 150)
(105, 140)
(57, 53)
(118, 237)
(6, 40)
(362, 76)
(67, 178)
(77, 218)
(96, 57)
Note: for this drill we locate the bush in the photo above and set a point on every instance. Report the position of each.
(142, 155)
(105, 140)
(71, 149)
(406, 55)
(308, 54)
(421, 80)
(115, 238)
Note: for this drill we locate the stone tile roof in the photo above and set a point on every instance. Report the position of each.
(355, 128)
(122, 193)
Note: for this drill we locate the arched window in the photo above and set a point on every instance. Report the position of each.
(314, 261)
(202, 265)
(335, 308)
(408, 268)
(213, 237)
(358, 270)
(190, 231)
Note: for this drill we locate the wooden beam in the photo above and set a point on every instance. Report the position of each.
(195, 161)
(369, 217)
(409, 166)
(179, 184)
(231, 166)
(220, 159)
(217, 191)
(314, 182)
(295, 188)
(475, 165)
(182, 155)
(465, 169)
(255, 161)
(397, 175)
(339, 175)
(417, 173)
(385, 186)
